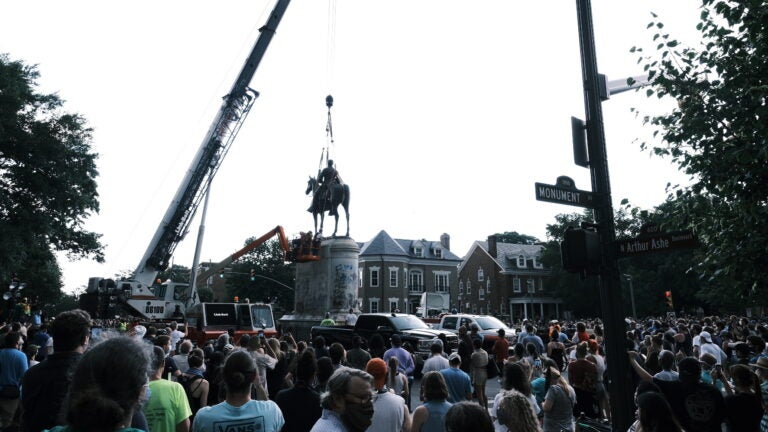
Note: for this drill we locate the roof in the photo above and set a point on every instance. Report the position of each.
(507, 253)
(384, 244)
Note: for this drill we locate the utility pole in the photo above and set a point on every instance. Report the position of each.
(619, 384)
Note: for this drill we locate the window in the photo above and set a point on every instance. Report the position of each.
(360, 278)
(537, 264)
(393, 277)
(441, 282)
(393, 306)
(521, 261)
(416, 281)
(374, 306)
(516, 285)
(419, 252)
(469, 287)
(374, 277)
(438, 253)
(481, 294)
(480, 275)
(461, 287)
(529, 285)
(541, 284)
(488, 286)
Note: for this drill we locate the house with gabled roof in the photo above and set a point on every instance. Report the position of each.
(506, 280)
(394, 273)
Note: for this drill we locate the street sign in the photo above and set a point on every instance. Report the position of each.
(660, 242)
(564, 192)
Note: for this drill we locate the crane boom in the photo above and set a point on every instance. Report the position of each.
(277, 231)
(227, 123)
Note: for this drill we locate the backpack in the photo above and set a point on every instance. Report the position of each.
(187, 382)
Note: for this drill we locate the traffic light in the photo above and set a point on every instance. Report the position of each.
(668, 295)
(253, 275)
(237, 299)
(221, 274)
(580, 251)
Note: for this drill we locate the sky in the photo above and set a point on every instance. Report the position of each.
(446, 111)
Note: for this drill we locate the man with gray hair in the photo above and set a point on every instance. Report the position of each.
(347, 403)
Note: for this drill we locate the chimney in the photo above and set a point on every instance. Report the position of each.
(445, 240)
(492, 245)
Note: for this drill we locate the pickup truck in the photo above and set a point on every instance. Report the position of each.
(410, 328)
(488, 327)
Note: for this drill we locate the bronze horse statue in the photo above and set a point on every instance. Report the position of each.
(328, 202)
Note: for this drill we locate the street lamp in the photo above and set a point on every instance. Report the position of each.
(631, 294)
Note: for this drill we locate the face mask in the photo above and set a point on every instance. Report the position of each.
(358, 416)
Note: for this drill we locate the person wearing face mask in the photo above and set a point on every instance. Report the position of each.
(347, 403)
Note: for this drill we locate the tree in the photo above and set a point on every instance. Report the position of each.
(718, 134)
(273, 275)
(47, 175)
(515, 238)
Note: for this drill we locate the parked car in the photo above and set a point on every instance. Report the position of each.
(488, 327)
(410, 328)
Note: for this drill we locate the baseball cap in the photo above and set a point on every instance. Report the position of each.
(706, 336)
(228, 348)
(378, 370)
(454, 357)
(139, 331)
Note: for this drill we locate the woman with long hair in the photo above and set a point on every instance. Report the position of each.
(98, 402)
(558, 403)
(515, 377)
(239, 410)
(276, 375)
(655, 415)
(430, 416)
(556, 350)
(397, 381)
(479, 362)
(514, 413)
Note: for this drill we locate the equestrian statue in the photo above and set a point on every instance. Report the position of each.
(328, 191)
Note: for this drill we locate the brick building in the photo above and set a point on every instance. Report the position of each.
(394, 273)
(506, 280)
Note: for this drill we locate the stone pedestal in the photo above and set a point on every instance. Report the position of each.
(328, 285)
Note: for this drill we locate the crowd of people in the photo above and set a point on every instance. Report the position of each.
(690, 374)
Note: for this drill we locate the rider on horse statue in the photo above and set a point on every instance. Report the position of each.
(328, 177)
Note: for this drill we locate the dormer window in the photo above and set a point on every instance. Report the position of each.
(438, 253)
(521, 261)
(419, 252)
(537, 264)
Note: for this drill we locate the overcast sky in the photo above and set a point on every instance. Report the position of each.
(447, 111)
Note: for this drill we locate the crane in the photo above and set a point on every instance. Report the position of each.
(174, 225)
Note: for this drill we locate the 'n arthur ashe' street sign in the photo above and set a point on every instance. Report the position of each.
(651, 240)
(564, 192)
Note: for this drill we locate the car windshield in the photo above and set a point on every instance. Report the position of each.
(487, 323)
(408, 322)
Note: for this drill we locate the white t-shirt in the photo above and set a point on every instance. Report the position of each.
(351, 319)
(435, 363)
(715, 350)
(388, 413)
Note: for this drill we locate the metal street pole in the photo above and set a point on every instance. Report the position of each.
(631, 296)
(619, 384)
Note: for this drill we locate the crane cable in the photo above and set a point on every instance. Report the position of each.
(330, 61)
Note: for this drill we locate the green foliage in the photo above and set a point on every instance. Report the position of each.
(515, 238)
(176, 273)
(47, 175)
(205, 295)
(269, 263)
(718, 134)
